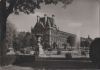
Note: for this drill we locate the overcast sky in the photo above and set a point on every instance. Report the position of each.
(81, 17)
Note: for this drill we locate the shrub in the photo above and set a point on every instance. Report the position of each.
(68, 55)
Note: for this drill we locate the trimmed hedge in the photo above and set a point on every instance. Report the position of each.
(68, 55)
(7, 60)
(24, 59)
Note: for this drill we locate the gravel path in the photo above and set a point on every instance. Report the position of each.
(11, 67)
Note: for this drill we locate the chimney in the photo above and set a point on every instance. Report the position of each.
(45, 16)
(53, 21)
(38, 18)
(53, 16)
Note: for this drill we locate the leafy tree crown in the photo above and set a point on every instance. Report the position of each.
(28, 6)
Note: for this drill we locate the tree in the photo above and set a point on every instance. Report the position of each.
(23, 40)
(54, 45)
(10, 33)
(65, 45)
(71, 40)
(94, 51)
(29, 40)
(14, 6)
(18, 41)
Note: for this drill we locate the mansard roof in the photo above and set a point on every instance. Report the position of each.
(47, 22)
(66, 33)
(38, 29)
(43, 23)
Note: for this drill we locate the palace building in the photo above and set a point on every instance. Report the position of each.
(51, 36)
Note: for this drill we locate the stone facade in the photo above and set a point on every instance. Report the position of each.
(52, 37)
(85, 42)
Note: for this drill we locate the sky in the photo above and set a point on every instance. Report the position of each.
(81, 17)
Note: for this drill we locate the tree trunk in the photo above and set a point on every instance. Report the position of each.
(3, 48)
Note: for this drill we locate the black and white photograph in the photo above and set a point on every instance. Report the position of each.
(49, 34)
